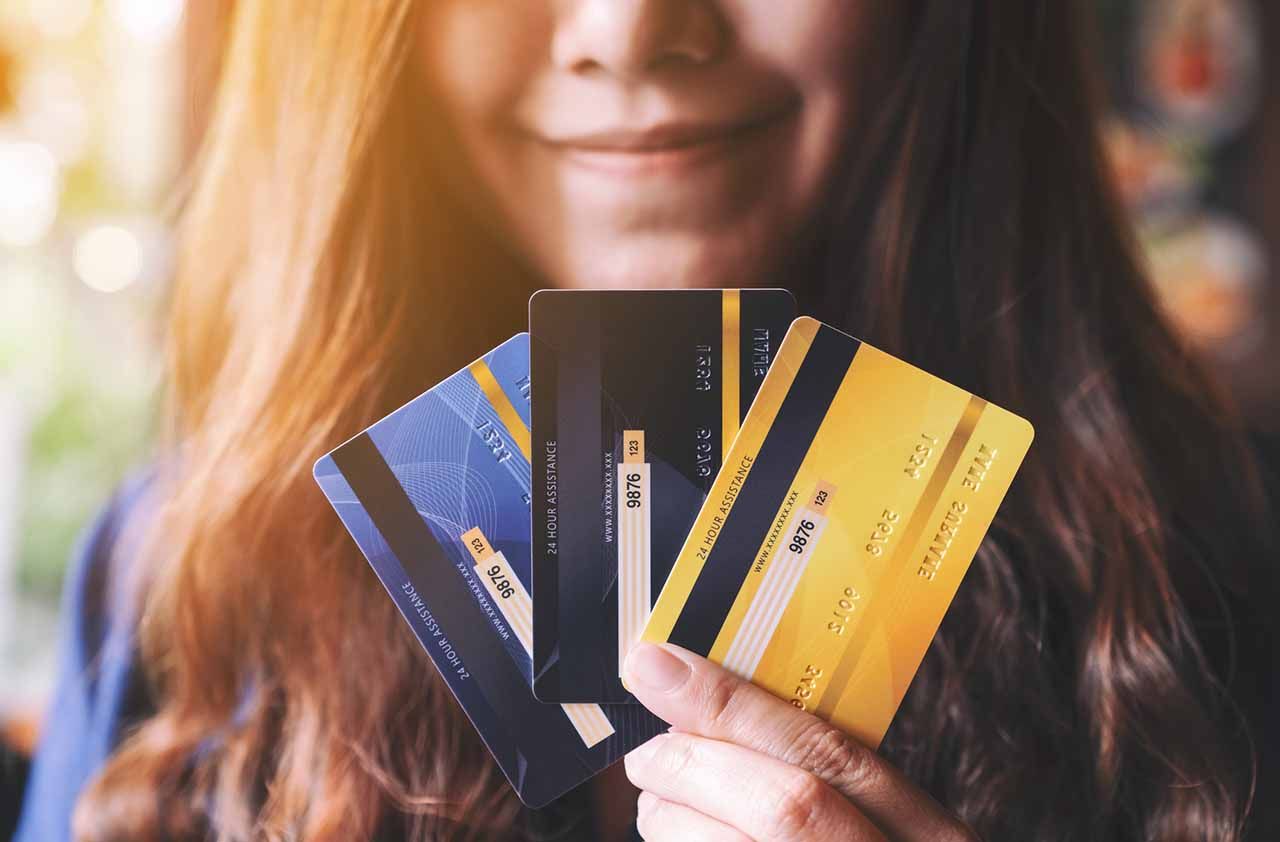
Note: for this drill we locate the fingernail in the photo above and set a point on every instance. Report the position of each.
(656, 668)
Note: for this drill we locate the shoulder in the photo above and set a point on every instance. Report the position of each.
(100, 690)
(95, 598)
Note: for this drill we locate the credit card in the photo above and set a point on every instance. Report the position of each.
(637, 396)
(839, 528)
(437, 497)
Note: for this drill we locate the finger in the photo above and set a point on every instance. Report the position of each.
(756, 794)
(700, 697)
(660, 821)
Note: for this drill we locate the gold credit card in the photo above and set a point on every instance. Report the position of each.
(839, 527)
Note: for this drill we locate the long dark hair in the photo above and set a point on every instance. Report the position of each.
(1067, 694)
(1076, 689)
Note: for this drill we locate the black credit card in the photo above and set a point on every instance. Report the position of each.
(637, 396)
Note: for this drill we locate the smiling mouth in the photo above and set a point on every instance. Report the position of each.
(666, 148)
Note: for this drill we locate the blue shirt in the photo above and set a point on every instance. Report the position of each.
(99, 688)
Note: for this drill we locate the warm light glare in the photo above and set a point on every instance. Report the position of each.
(29, 193)
(150, 21)
(107, 258)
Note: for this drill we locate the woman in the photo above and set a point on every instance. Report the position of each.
(384, 184)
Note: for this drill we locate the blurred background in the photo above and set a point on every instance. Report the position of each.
(102, 103)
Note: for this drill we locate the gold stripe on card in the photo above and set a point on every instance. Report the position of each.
(900, 567)
(502, 405)
(730, 355)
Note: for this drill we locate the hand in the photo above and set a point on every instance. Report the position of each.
(740, 764)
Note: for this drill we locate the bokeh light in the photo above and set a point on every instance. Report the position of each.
(148, 21)
(29, 198)
(107, 258)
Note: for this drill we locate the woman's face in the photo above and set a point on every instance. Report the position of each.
(643, 143)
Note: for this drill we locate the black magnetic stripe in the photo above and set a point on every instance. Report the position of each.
(767, 483)
(543, 731)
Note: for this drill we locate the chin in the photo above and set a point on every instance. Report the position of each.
(658, 263)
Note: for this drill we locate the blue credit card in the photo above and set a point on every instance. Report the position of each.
(437, 495)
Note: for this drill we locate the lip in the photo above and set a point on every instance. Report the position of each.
(664, 148)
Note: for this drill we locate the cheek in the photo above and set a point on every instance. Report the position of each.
(476, 56)
(819, 47)
(814, 43)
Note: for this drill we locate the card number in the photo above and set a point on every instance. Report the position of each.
(500, 582)
(846, 605)
(806, 687)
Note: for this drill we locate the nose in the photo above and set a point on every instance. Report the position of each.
(632, 38)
